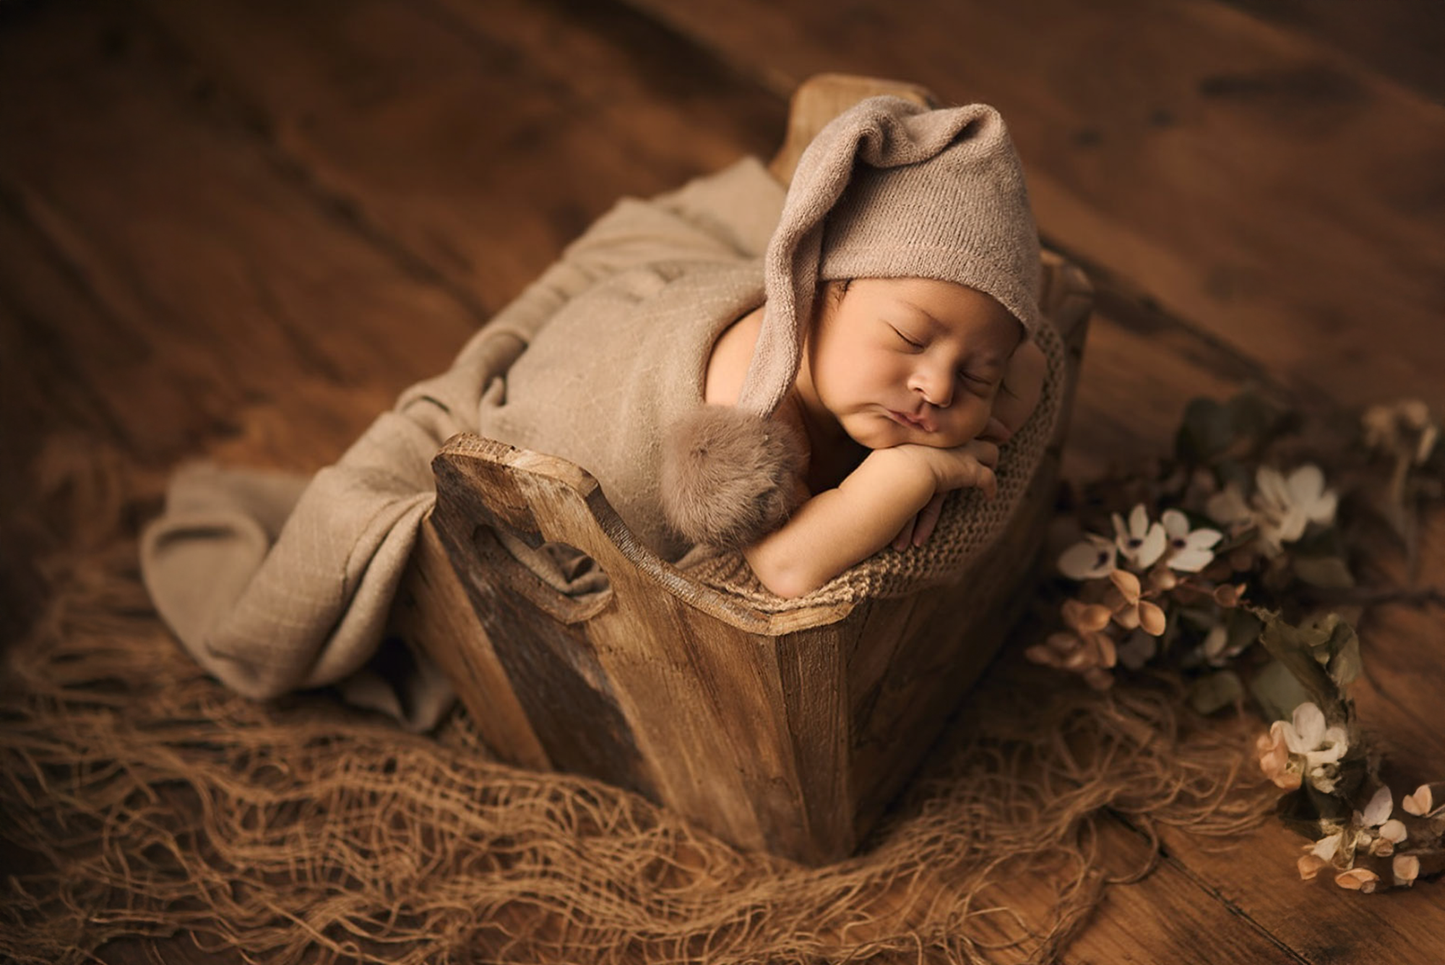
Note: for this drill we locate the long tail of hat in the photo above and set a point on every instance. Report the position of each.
(880, 131)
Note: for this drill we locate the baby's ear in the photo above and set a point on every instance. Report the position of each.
(729, 476)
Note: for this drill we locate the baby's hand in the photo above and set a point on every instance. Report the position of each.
(970, 464)
(917, 530)
(1018, 396)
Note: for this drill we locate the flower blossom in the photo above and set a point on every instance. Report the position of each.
(1358, 879)
(1321, 855)
(1288, 504)
(1084, 648)
(1091, 558)
(1188, 551)
(1372, 831)
(1376, 829)
(1142, 541)
(1229, 509)
(1406, 868)
(1131, 609)
(1274, 758)
(1320, 747)
(1421, 803)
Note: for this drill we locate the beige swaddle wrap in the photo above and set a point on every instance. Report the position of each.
(276, 584)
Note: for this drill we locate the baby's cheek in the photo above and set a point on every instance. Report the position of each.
(967, 422)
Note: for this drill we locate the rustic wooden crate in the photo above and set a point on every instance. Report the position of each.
(788, 732)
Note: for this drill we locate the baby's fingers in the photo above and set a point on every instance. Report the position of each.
(982, 450)
(905, 536)
(927, 519)
(988, 482)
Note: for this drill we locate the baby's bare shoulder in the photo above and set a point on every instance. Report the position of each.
(728, 363)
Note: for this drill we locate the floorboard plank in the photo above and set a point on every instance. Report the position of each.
(1157, 919)
(1400, 39)
(214, 285)
(1250, 179)
(1321, 922)
(479, 138)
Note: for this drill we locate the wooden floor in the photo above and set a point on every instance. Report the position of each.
(238, 228)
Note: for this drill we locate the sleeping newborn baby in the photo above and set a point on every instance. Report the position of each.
(812, 419)
(806, 410)
(905, 389)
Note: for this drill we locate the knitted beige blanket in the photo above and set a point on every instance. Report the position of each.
(276, 584)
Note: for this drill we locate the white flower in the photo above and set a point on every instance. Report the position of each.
(1322, 855)
(1358, 879)
(1377, 830)
(1286, 505)
(1091, 558)
(1141, 542)
(1274, 761)
(1422, 803)
(1189, 551)
(1320, 746)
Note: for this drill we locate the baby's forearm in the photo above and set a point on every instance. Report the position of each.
(840, 527)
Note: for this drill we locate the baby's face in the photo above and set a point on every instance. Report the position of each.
(909, 360)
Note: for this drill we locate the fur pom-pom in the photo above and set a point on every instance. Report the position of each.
(729, 476)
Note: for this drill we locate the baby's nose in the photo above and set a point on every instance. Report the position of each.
(936, 388)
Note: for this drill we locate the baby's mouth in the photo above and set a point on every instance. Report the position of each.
(903, 418)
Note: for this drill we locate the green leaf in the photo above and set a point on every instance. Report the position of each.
(1294, 647)
(1328, 637)
(1252, 417)
(1215, 691)
(1205, 432)
(1345, 664)
(1243, 629)
(1329, 572)
(1277, 691)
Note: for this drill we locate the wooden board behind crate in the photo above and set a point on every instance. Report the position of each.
(166, 191)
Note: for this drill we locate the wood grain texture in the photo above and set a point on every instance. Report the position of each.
(1247, 178)
(194, 302)
(1398, 39)
(443, 127)
(434, 612)
(217, 236)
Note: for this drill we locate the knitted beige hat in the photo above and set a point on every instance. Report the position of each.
(891, 189)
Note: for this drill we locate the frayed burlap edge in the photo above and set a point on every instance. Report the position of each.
(155, 803)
